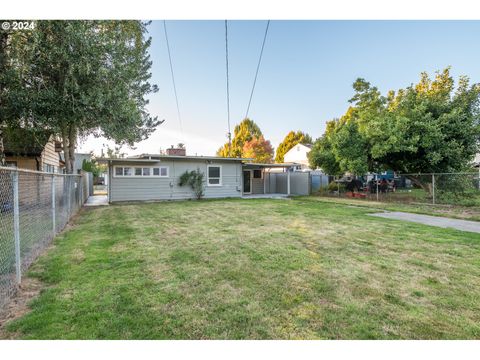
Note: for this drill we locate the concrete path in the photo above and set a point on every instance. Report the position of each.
(463, 225)
(97, 200)
(266, 196)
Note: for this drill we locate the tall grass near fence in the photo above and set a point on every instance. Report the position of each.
(34, 207)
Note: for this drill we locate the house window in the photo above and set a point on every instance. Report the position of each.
(141, 171)
(160, 171)
(214, 177)
(48, 168)
(257, 174)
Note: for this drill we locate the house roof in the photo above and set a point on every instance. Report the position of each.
(157, 157)
(281, 165)
(188, 157)
(24, 142)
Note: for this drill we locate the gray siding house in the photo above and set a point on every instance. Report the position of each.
(151, 177)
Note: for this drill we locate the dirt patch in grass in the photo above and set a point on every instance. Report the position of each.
(18, 306)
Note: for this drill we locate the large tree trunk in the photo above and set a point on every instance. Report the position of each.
(2, 149)
(66, 152)
(425, 186)
(72, 140)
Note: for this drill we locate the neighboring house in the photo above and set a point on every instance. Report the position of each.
(30, 150)
(476, 161)
(298, 156)
(78, 163)
(155, 177)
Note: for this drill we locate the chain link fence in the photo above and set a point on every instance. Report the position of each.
(34, 207)
(462, 189)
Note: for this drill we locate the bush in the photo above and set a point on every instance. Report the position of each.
(457, 189)
(334, 186)
(194, 179)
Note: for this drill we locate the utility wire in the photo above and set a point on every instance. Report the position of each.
(229, 134)
(173, 80)
(258, 67)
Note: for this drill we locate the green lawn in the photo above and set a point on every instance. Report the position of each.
(452, 211)
(254, 269)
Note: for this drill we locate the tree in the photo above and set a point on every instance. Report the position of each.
(94, 167)
(322, 154)
(293, 138)
(12, 88)
(428, 127)
(243, 132)
(259, 149)
(90, 77)
(114, 153)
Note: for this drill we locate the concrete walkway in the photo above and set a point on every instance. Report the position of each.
(266, 196)
(463, 225)
(97, 200)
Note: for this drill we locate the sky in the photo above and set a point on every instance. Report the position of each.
(305, 77)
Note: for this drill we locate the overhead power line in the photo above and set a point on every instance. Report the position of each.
(229, 134)
(173, 81)
(258, 67)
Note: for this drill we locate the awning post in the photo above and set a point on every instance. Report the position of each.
(288, 181)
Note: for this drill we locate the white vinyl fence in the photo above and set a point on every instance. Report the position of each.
(34, 207)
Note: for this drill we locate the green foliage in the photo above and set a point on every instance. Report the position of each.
(87, 77)
(293, 138)
(427, 127)
(243, 132)
(459, 189)
(335, 186)
(92, 166)
(194, 179)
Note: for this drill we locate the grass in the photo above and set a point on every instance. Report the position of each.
(254, 269)
(452, 211)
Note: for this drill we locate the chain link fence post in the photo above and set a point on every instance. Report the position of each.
(433, 189)
(54, 225)
(16, 228)
(376, 182)
(69, 196)
(338, 187)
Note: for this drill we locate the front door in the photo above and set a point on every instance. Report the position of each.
(247, 181)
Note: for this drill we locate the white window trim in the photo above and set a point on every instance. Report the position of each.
(140, 176)
(208, 177)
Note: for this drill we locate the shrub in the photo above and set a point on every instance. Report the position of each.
(333, 186)
(194, 179)
(457, 189)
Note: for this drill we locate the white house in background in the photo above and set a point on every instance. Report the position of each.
(298, 155)
(476, 160)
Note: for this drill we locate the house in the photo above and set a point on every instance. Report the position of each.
(78, 163)
(476, 161)
(32, 150)
(156, 176)
(298, 156)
